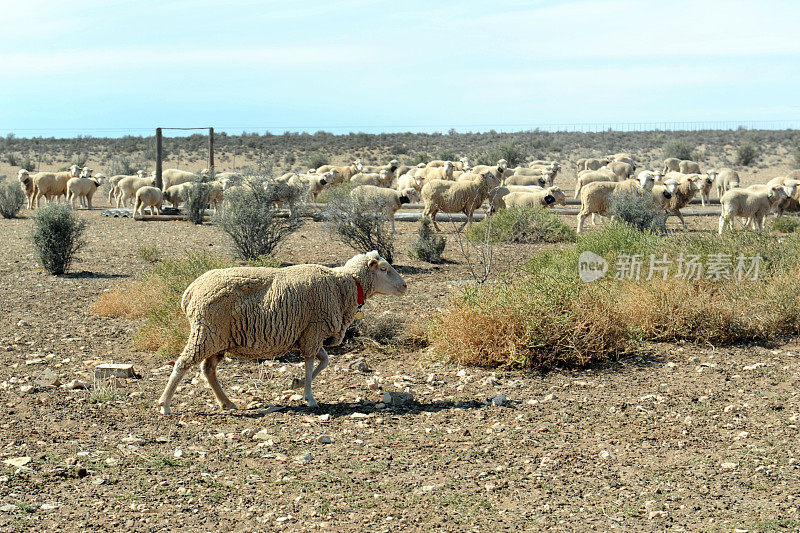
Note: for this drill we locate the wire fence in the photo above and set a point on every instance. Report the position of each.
(588, 127)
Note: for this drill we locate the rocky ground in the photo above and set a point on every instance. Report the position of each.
(679, 437)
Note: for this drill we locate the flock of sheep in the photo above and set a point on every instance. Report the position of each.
(452, 187)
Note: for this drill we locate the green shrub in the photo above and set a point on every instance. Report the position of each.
(57, 236)
(523, 225)
(195, 201)
(428, 247)
(12, 198)
(150, 253)
(28, 163)
(447, 155)
(127, 166)
(786, 224)
(362, 227)
(746, 154)
(338, 192)
(253, 219)
(676, 148)
(420, 157)
(13, 159)
(511, 152)
(316, 160)
(79, 159)
(638, 212)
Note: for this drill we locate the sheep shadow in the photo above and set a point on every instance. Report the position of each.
(347, 409)
(85, 274)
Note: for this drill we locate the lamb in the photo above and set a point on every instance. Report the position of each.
(621, 169)
(173, 176)
(580, 164)
(409, 180)
(389, 200)
(751, 203)
(792, 202)
(316, 184)
(52, 185)
(545, 198)
(671, 164)
(254, 312)
(597, 197)
(454, 197)
(689, 167)
(127, 187)
(380, 179)
(342, 173)
(26, 182)
(148, 196)
(83, 188)
(726, 180)
(707, 182)
(436, 173)
(541, 179)
(684, 193)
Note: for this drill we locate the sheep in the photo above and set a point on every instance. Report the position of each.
(671, 164)
(317, 183)
(597, 197)
(707, 182)
(684, 192)
(127, 187)
(501, 163)
(496, 195)
(113, 184)
(662, 194)
(26, 182)
(83, 188)
(342, 173)
(751, 203)
(173, 176)
(389, 200)
(622, 170)
(594, 164)
(454, 197)
(461, 164)
(436, 173)
(590, 176)
(148, 196)
(549, 197)
(409, 180)
(726, 180)
(624, 158)
(381, 179)
(790, 203)
(550, 171)
(689, 167)
(541, 179)
(254, 312)
(52, 184)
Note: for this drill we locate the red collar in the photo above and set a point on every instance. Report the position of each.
(361, 299)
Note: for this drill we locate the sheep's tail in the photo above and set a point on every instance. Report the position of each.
(578, 190)
(186, 298)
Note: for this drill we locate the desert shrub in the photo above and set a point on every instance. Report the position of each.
(547, 317)
(796, 158)
(79, 159)
(746, 154)
(195, 201)
(127, 166)
(676, 148)
(638, 212)
(12, 198)
(786, 224)
(429, 246)
(290, 159)
(338, 192)
(316, 160)
(362, 227)
(13, 159)
(28, 163)
(150, 253)
(523, 225)
(253, 220)
(384, 328)
(57, 236)
(155, 298)
(511, 152)
(447, 155)
(420, 157)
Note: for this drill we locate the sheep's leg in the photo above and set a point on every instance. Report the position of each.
(307, 394)
(581, 217)
(209, 368)
(182, 365)
(680, 216)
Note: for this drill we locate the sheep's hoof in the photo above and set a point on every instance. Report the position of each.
(228, 405)
(312, 403)
(164, 409)
(298, 383)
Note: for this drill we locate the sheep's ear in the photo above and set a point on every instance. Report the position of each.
(373, 264)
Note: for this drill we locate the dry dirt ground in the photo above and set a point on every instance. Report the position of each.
(679, 437)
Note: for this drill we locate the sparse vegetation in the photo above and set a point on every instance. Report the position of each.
(638, 212)
(523, 224)
(746, 154)
(362, 227)
(786, 224)
(12, 198)
(150, 253)
(317, 159)
(429, 246)
(57, 236)
(127, 166)
(254, 221)
(679, 149)
(195, 202)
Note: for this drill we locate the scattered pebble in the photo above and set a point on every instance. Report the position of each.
(499, 400)
(729, 466)
(606, 455)
(325, 439)
(397, 398)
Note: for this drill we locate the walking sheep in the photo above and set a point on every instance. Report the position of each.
(727, 179)
(52, 185)
(684, 193)
(83, 188)
(752, 204)
(148, 196)
(261, 313)
(127, 187)
(457, 196)
(26, 182)
(597, 197)
(380, 198)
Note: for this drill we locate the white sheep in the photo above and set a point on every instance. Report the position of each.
(597, 197)
(26, 182)
(751, 203)
(689, 167)
(455, 197)
(262, 313)
(589, 176)
(409, 180)
(707, 181)
(148, 196)
(726, 180)
(671, 164)
(343, 173)
(595, 163)
(127, 187)
(540, 178)
(687, 188)
(662, 194)
(83, 189)
(444, 172)
(549, 197)
(174, 176)
(52, 185)
(621, 169)
(380, 198)
(379, 179)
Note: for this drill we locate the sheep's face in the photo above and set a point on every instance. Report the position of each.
(502, 163)
(412, 194)
(74, 171)
(386, 279)
(86, 172)
(694, 183)
(23, 175)
(465, 163)
(646, 181)
(558, 195)
(358, 165)
(778, 193)
(670, 188)
(449, 167)
(790, 188)
(542, 181)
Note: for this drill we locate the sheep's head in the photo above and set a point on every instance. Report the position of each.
(558, 195)
(646, 180)
(542, 180)
(412, 194)
(465, 163)
(778, 192)
(502, 163)
(394, 164)
(695, 184)
(383, 174)
(74, 171)
(790, 187)
(385, 279)
(86, 172)
(140, 173)
(357, 164)
(449, 167)
(657, 175)
(23, 175)
(670, 188)
(549, 199)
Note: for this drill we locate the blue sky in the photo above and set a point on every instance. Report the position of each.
(117, 67)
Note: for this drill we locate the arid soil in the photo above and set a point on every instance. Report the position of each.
(677, 437)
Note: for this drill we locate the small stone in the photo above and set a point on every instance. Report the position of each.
(26, 389)
(658, 514)
(606, 455)
(22, 324)
(325, 439)
(178, 453)
(372, 384)
(688, 420)
(397, 398)
(81, 472)
(461, 373)
(34, 361)
(76, 384)
(548, 398)
(70, 461)
(113, 370)
(248, 433)
(729, 466)
(48, 507)
(324, 418)
(9, 508)
(111, 461)
(47, 378)
(263, 435)
(358, 415)
(380, 405)
(98, 481)
(295, 397)
(499, 400)
(307, 458)
(18, 462)
(360, 365)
